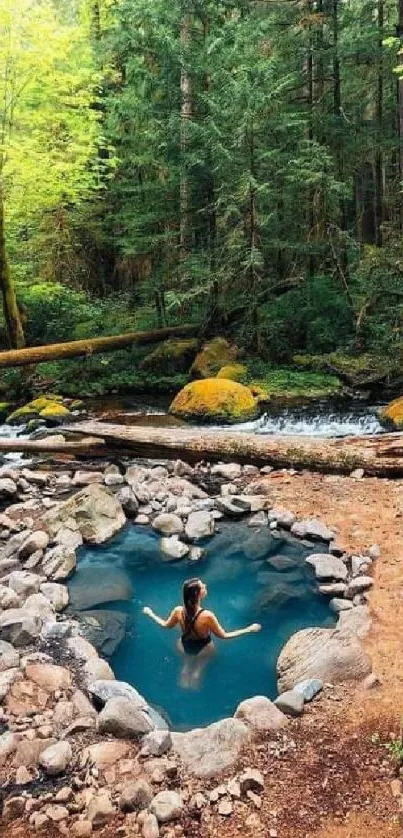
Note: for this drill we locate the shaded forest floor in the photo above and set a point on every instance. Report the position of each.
(329, 775)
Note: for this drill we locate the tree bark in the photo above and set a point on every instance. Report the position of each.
(85, 447)
(193, 445)
(10, 306)
(379, 190)
(61, 351)
(186, 114)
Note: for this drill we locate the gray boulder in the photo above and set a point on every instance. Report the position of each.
(359, 585)
(337, 589)
(7, 679)
(328, 654)
(199, 525)
(313, 529)
(38, 540)
(233, 507)
(95, 509)
(103, 690)
(128, 500)
(167, 806)
(283, 517)
(59, 563)
(156, 743)
(9, 657)
(122, 717)
(327, 567)
(207, 751)
(260, 713)
(24, 583)
(136, 796)
(8, 598)
(228, 471)
(336, 605)
(357, 621)
(173, 549)
(57, 595)
(168, 524)
(104, 629)
(291, 703)
(20, 626)
(55, 759)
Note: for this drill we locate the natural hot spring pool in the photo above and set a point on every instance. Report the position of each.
(252, 576)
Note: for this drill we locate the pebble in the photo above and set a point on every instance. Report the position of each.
(225, 807)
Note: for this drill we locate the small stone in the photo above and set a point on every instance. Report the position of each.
(309, 688)
(22, 776)
(56, 813)
(251, 780)
(359, 585)
(173, 548)
(150, 828)
(100, 810)
(228, 471)
(55, 759)
(396, 788)
(336, 605)
(357, 474)
(313, 529)
(291, 703)
(136, 796)
(234, 789)
(374, 552)
(64, 795)
(225, 807)
(255, 799)
(281, 517)
(156, 743)
(371, 681)
(81, 829)
(167, 806)
(13, 808)
(168, 524)
(327, 567)
(258, 520)
(197, 801)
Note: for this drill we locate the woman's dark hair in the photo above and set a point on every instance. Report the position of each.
(191, 591)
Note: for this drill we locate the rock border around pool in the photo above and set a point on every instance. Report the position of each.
(54, 685)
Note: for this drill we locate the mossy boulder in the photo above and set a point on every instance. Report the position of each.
(213, 356)
(215, 400)
(171, 357)
(44, 407)
(233, 372)
(391, 416)
(4, 408)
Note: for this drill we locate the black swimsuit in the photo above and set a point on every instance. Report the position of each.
(191, 643)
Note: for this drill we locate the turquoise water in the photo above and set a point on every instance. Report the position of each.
(252, 576)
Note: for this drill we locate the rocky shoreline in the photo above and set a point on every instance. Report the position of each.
(77, 747)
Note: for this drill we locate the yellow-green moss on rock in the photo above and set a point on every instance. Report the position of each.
(43, 407)
(54, 411)
(212, 357)
(391, 416)
(233, 372)
(215, 400)
(171, 357)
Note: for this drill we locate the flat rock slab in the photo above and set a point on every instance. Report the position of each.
(207, 751)
(313, 529)
(328, 654)
(327, 567)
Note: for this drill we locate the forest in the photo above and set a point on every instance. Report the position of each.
(233, 165)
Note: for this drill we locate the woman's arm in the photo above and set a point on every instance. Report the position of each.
(218, 630)
(172, 620)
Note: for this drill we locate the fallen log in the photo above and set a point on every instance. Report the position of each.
(193, 445)
(84, 447)
(89, 346)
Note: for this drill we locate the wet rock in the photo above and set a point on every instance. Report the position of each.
(49, 676)
(309, 688)
(37, 540)
(328, 654)
(312, 529)
(291, 703)
(167, 806)
(260, 713)
(136, 796)
(199, 525)
(109, 584)
(104, 629)
(55, 759)
(196, 553)
(359, 585)
(173, 549)
(156, 743)
(123, 717)
(20, 626)
(168, 524)
(59, 563)
(327, 567)
(207, 751)
(57, 595)
(8, 598)
(24, 583)
(95, 509)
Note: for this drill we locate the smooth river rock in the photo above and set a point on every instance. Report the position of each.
(173, 549)
(168, 524)
(207, 751)
(199, 525)
(291, 702)
(102, 691)
(313, 529)
(328, 654)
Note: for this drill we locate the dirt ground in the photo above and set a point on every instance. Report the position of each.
(329, 775)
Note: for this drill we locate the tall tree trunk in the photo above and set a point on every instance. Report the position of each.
(186, 114)
(400, 101)
(379, 190)
(10, 306)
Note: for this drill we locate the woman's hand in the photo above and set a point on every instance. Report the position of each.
(255, 627)
(147, 611)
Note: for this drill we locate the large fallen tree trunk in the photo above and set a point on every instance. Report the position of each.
(332, 456)
(84, 447)
(89, 346)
